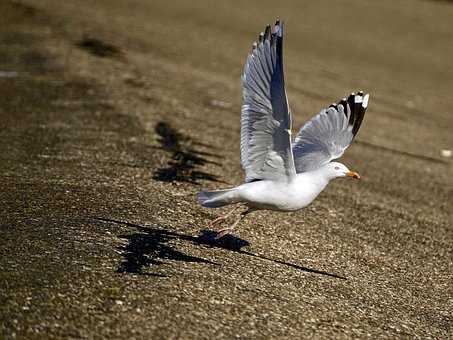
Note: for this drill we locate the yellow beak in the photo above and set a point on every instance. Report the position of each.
(353, 174)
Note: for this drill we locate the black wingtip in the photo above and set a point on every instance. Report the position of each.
(355, 103)
(267, 32)
(350, 101)
(334, 105)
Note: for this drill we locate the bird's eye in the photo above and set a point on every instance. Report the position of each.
(337, 168)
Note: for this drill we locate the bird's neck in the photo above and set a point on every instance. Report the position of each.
(324, 174)
(322, 180)
(316, 177)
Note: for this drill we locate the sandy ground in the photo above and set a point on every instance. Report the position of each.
(115, 113)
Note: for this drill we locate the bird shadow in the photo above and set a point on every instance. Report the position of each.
(185, 159)
(98, 47)
(233, 243)
(149, 247)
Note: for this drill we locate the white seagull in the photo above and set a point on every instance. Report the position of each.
(280, 175)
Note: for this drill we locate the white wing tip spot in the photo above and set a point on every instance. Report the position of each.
(365, 101)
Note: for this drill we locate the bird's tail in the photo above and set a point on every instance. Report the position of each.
(217, 198)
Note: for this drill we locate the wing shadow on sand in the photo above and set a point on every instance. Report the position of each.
(185, 159)
(149, 247)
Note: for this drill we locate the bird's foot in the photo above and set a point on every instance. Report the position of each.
(216, 221)
(223, 232)
(221, 218)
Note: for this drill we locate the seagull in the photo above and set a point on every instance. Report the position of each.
(282, 175)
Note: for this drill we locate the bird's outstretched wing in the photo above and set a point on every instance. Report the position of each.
(327, 135)
(265, 120)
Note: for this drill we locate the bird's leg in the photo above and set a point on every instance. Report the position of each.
(222, 217)
(227, 230)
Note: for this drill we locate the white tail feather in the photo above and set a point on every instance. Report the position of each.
(216, 198)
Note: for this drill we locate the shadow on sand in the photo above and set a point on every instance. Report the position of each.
(98, 47)
(184, 158)
(149, 247)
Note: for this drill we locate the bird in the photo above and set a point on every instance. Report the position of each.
(281, 174)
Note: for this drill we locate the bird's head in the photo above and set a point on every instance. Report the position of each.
(336, 169)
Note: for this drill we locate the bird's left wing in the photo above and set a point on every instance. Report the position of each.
(328, 134)
(265, 119)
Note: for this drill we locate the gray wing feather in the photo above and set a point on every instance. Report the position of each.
(327, 135)
(266, 151)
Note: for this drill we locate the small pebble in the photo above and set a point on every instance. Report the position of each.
(446, 153)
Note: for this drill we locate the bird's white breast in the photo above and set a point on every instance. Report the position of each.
(281, 195)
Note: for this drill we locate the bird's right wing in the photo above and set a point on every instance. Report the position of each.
(265, 119)
(327, 135)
